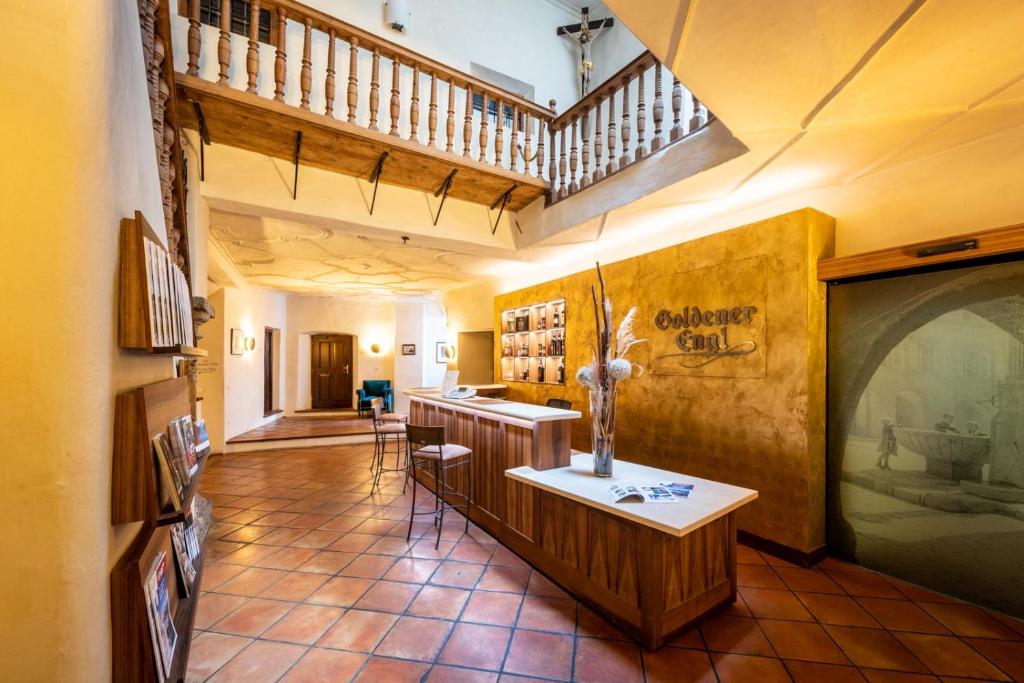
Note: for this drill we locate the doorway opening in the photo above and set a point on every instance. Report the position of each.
(271, 371)
(476, 357)
(331, 371)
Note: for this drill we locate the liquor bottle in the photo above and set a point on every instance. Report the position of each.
(554, 319)
(561, 372)
(542, 321)
(540, 372)
(526, 374)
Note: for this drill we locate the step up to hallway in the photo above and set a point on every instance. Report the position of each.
(303, 431)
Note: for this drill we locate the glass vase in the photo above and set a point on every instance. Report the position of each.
(602, 430)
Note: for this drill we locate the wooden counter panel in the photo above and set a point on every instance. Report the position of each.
(519, 498)
(488, 481)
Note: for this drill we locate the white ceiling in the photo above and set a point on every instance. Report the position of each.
(307, 258)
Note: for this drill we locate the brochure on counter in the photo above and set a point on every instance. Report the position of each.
(637, 492)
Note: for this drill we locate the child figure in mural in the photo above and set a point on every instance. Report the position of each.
(887, 445)
(946, 425)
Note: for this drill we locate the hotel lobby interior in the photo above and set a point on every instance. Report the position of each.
(357, 286)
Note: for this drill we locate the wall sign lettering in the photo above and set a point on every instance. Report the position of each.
(710, 321)
(708, 340)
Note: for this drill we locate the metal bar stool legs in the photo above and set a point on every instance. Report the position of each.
(428, 449)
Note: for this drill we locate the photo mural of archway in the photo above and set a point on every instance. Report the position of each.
(926, 429)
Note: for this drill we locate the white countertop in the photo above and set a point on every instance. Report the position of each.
(497, 406)
(708, 501)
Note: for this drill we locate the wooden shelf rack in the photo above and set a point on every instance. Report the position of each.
(140, 414)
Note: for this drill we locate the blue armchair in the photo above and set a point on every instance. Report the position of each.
(374, 388)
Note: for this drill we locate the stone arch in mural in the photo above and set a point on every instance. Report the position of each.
(866, 345)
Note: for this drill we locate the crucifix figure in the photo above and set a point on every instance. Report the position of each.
(584, 34)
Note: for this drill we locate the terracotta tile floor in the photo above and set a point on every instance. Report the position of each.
(309, 578)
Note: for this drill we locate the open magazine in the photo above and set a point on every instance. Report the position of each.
(662, 492)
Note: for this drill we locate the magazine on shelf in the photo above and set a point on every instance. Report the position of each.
(635, 492)
(161, 621)
(188, 434)
(179, 446)
(183, 555)
(170, 486)
(202, 439)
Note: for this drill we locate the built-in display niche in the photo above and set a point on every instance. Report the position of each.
(533, 343)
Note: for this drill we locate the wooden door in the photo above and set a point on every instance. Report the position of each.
(332, 371)
(268, 371)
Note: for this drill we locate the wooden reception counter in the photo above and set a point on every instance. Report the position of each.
(652, 569)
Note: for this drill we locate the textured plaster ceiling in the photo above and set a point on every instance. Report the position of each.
(305, 258)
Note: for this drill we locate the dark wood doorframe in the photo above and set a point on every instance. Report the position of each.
(268, 371)
(331, 370)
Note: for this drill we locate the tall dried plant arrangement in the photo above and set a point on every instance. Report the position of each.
(608, 367)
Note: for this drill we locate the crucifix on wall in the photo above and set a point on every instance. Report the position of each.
(584, 34)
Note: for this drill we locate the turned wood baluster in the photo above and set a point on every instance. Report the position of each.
(585, 132)
(677, 107)
(396, 65)
(514, 145)
(224, 44)
(624, 159)
(573, 158)
(414, 105)
(659, 109)
(252, 57)
(432, 112)
(641, 117)
(499, 133)
(194, 37)
(449, 126)
(541, 130)
(467, 124)
(598, 145)
(306, 74)
(353, 78)
(527, 143)
(483, 128)
(612, 165)
(374, 89)
(699, 117)
(329, 84)
(562, 192)
(280, 58)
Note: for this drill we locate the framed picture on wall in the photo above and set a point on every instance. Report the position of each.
(237, 342)
(444, 353)
(408, 349)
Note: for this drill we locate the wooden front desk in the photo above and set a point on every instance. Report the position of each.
(652, 569)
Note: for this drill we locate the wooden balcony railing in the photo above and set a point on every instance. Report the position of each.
(416, 88)
(430, 120)
(618, 148)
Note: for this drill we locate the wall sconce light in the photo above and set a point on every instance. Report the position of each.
(375, 348)
(250, 343)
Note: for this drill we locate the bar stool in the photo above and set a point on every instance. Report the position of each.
(385, 417)
(428, 449)
(560, 403)
(385, 432)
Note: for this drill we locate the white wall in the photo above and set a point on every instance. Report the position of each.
(370, 322)
(78, 150)
(249, 309)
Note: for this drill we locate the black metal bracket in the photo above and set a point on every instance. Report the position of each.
(443, 192)
(503, 200)
(295, 160)
(378, 170)
(204, 137)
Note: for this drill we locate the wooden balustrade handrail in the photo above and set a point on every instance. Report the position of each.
(642, 62)
(324, 23)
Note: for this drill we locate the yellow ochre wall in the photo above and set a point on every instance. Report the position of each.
(765, 433)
